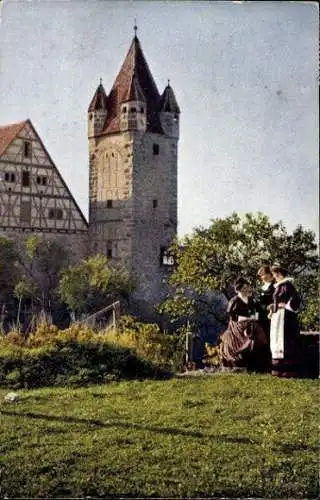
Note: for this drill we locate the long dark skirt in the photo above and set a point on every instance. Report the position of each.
(245, 345)
(285, 344)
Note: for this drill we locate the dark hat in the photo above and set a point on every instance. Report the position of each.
(239, 283)
(277, 267)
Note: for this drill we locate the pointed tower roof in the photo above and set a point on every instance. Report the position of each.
(8, 133)
(135, 92)
(168, 101)
(99, 100)
(134, 80)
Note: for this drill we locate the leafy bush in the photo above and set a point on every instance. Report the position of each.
(76, 356)
(212, 357)
(161, 348)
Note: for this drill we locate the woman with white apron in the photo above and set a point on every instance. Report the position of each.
(284, 327)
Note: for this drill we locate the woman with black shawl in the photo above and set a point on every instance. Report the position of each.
(244, 343)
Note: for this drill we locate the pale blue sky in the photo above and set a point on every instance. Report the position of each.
(245, 76)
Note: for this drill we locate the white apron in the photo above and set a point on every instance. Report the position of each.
(277, 334)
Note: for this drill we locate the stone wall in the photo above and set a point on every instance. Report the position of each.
(133, 206)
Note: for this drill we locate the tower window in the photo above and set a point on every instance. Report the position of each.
(155, 149)
(155, 203)
(133, 110)
(25, 178)
(141, 110)
(165, 258)
(27, 149)
(124, 109)
(109, 203)
(109, 249)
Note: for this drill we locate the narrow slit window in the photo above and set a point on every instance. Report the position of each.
(109, 203)
(156, 149)
(155, 203)
(109, 249)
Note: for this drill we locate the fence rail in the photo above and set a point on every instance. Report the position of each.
(102, 319)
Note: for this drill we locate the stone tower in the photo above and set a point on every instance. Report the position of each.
(133, 136)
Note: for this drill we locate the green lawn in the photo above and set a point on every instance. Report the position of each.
(225, 435)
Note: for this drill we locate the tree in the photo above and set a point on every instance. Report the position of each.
(209, 260)
(42, 261)
(93, 284)
(10, 274)
(9, 268)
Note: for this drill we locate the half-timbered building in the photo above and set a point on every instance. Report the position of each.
(33, 195)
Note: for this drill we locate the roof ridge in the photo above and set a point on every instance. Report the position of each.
(9, 132)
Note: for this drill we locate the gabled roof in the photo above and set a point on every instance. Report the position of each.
(99, 100)
(168, 101)
(8, 133)
(134, 74)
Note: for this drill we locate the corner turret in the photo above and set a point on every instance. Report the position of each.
(169, 113)
(97, 112)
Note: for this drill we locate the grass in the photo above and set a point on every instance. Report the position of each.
(230, 435)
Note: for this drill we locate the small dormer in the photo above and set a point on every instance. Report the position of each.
(97, 112)
(169, 113)
(133, 110)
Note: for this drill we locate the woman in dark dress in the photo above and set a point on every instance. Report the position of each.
(265, 297)
(244, 342)
(284, 329)
(264, 300)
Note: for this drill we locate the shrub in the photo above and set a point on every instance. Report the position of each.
(162, 348)
(76, 356)
(212, 356)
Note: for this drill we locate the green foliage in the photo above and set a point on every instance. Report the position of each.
(43, 261)
(93, 284)
(212, 357)
(164, 349)
(309, 318)
(75, 356)
(209, 260)
(224, 436)
(9, 268)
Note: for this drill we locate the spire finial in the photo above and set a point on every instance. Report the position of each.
(135, 27)
(168, 82)
(100, 81)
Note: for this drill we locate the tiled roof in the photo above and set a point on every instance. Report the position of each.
(99, 100)
(8, 133)
(133, 74)
(168, 101)
(135, 92)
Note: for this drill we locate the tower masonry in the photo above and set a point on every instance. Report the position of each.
(133, 135)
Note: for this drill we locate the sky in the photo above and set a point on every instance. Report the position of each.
(245, 75)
